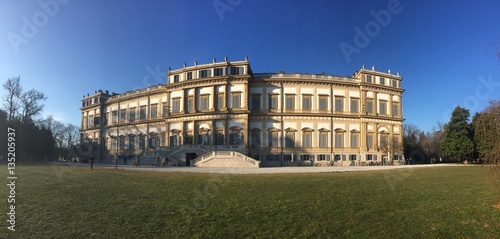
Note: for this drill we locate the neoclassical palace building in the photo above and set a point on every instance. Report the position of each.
(223, 109)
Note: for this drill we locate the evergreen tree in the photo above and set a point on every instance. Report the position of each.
(457, 139)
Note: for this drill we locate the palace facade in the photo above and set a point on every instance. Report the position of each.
(278, 119)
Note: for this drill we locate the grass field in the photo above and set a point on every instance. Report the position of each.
(55, 201)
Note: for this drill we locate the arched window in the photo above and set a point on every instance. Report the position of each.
(290, 137)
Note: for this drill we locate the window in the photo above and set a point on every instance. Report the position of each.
(176, 78)
(154, 111)
(369, 157)
(339, 140)
(369, 106)
(113, 143)
(175, 139)
(189, 103)
(91, 121)
(273, 102)
(188, 138)
(255, 139)
(131, 114)
(152, 143)
(235, 138)
(290, 102)
(353, 157)
(142, 142)
(255, 101)
(395, 83)
(383, 140)
(236, 100)
(205, 73)
(176, 105)
(306, 102)
(306, 157)
(382, 81)
(337, 157)
(142, 112)
(122, 142)
(204, 102)
(164, 109)
(339, 104)
(220, 101)
(383, 107)
(323, 157)
(131, 142)
(219, 137)
(323, 102)
(354, 105)
(219, 71)
(190, 75)
(369, 141)
(323, 139)
(204, 137)
(237, 71)
(123, 115)
(272, 140)
(114, 116)
(272, 157)
(354, 140)
(307, 139)
(368, 79)
(290, 138)
(395, 109)
(163, 139)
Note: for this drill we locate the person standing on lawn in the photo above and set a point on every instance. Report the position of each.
(91, 161)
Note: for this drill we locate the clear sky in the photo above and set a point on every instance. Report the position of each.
(442, 49)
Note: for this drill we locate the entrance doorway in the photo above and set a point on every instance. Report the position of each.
(189, 157)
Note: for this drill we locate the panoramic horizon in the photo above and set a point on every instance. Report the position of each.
(448, 55)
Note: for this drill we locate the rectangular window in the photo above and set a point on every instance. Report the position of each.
(219, 71)
(290, 102)
(122, 142)
(176, 105)
(395, 83)
(175, 140)
(164, 110)
(306, 102)
(176, 78)
(323, 102)
(219, 137)
(369, 141)
(290, 139)
(236, 100)
(205, 73)
(383, 107)
(323, 139)
(339, 104)
(154, 111)
(235, 138)
(369, 157)
(204, 102)
(307, 139)
(142, 142)
(307, 157)
(323, 157)
(220, 101)
(237, 71)
(337, 157)
(272, 140)
(368, 79)
(395, 109)
(255, 102)
(142, 112)
(382, 81)
(273, 102)
(354, 140)
(353, 157)
(395, 141)
(369, 106)
(123, 115)
(190, 75)
(131, 114)
(131, 142)
(189, 104)
(354, 105)
(339, 140)
(113, 143)
(255, 137)
(383, 140)
(114, 116)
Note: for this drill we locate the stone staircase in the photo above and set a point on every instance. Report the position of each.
(225, 159)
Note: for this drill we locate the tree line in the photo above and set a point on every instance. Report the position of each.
(462, 139)
(36, 138)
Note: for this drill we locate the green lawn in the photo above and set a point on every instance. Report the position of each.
(75, 202)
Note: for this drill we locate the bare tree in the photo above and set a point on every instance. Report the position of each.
(30, 104)
(14, 91)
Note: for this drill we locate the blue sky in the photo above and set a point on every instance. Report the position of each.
(442, 49)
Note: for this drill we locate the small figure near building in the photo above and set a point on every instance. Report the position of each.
(91, 161)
